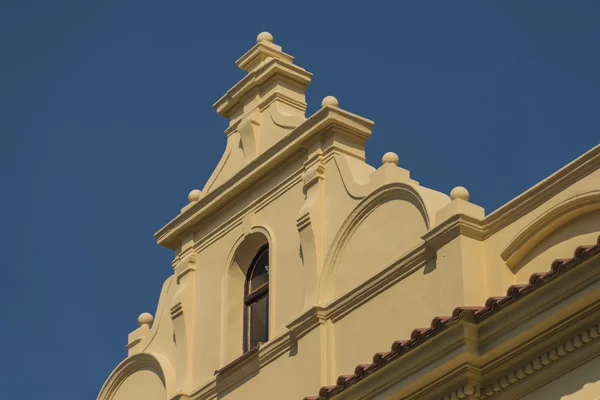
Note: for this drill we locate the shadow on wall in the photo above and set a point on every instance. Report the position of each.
(225, 382)
(429, 267)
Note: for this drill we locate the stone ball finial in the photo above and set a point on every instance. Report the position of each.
(264, 36)
(390, 158)
(330, 101)
(194, 195)
(459, 192)
(145, 319)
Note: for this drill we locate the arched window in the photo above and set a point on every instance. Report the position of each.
(256, 301)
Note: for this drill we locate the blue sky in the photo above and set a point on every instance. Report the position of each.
(106, 123)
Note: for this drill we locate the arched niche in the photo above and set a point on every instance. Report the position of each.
(558, 221)
(141, 376)
(559, 243)
(241, 258)
(384, 225)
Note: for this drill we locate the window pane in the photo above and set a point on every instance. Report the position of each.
(259, 321)
(260, 271)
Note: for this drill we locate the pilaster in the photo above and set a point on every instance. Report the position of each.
(182, 314)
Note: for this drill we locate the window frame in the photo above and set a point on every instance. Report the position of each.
(253, 297)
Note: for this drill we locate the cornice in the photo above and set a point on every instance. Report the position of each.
(325, 118)
(542, 226)
(255, 206)
(525, 369)
(312, 319)
(141, 361)
(256, 78)
(540, 193)
(238, 369)
(259, 52)
(411, 261)
(265, 103)
(573, 304)
(458, 224)
(521, 205)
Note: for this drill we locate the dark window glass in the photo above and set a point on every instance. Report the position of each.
(256, 301)
(260, 271)
(259, 321)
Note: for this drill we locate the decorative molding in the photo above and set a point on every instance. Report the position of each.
(254, 207)
(186, 265)
(458, 224)
(154, 362)
(316, 316)
(176, 310)
(260, 53)
(237, 370)
(248, 223)
(412, 261)
(480, 320)
(547, 223)
(308, 321)
(524, 370)
(313, 174)
(249, 129)
(389, 192)
(310, 220)
(303, 221)
(320, 122)
(182, 315)
(540, 193)
(159, 314)
(257, 77)
(284, 120)
(277, 98)
(208, 186)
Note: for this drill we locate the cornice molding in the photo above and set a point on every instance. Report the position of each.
(315, 317)
(458, 224)
(318, 123)
(526, 369)
(239, 369)
(495, 339)
(379, 196)
(540, 193)
(258, 77)
(545, 224)
(277, 119)
(413, 260)
(521, 205)
(261, 202)
(141, 361)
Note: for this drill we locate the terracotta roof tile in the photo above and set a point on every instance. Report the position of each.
(464, 313)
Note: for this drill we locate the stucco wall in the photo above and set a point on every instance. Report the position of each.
(142, 384)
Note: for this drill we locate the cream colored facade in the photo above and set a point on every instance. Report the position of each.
(360, 256)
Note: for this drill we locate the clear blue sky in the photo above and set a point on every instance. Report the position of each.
(106, 122)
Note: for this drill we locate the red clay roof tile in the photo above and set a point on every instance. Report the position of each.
(465, 313)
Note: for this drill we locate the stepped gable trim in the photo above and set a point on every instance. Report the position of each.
(468, 314)
(326, 118)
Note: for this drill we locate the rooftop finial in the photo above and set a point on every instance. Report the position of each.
(459, 192)
(194, 195)
(330, 101)
(145, 319)
(264, 36)
(390, 158)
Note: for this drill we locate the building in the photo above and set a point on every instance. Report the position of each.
(300, 271)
